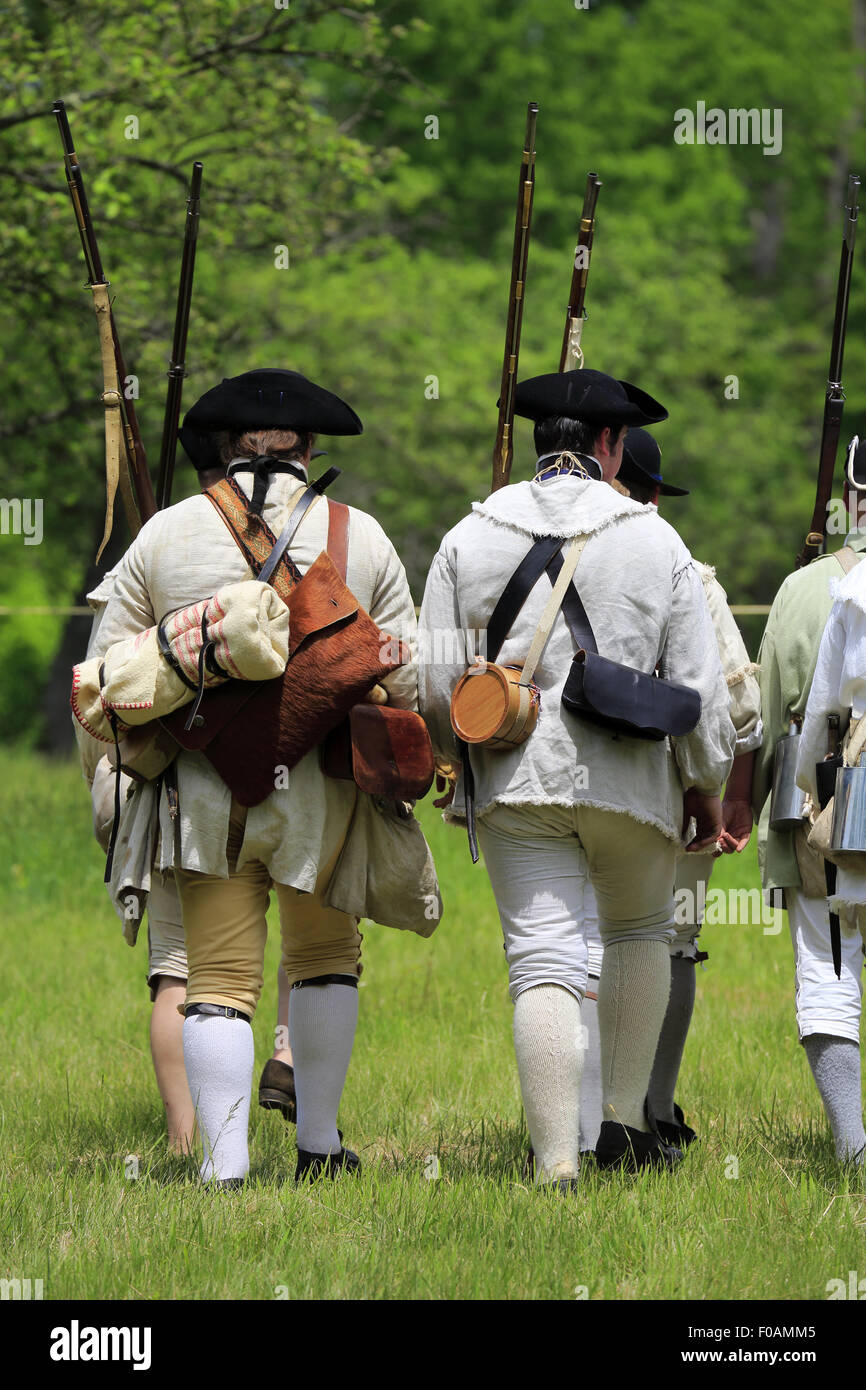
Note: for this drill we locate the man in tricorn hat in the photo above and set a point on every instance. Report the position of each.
(226, 857)
(277, 1083)
(574, 796)
(828, 1009)
(640, 477)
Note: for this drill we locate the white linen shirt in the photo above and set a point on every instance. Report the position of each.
(182, 555)
(743, 690)
(645, 601)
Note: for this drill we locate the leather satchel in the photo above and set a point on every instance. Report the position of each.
(618, 697)
(387, 752)
(336, 653)
(628, 701)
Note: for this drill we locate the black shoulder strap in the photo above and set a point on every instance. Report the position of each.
(573, 610)
(518, 588)
(284, 539)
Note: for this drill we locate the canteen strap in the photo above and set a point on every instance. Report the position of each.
(548, 617)
(574, 612)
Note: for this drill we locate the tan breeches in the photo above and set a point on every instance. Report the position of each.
(226, 928)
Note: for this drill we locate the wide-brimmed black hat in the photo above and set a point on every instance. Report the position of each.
(855, 465)
(642, 463)
(200, 448)
(271, 399)
(588, 395)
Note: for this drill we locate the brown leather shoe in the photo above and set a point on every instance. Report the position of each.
(277, 1089)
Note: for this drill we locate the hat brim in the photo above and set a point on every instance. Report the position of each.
(668, 490)
(594, 399)
(272, 399)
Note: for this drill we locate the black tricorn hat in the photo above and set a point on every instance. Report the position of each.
(855, 465)
(200, 448)
(588, 395)
(642, 463)
(271, 399)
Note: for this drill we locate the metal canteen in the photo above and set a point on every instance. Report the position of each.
(848, 831)
(787, 802)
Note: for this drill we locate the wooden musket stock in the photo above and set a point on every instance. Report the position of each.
(135, 484)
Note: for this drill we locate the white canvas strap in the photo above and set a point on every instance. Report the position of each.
(554, 603)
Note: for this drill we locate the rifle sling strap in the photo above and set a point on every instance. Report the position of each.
(111, 402)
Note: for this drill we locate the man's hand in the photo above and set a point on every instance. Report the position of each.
(446, 781)
(707, 812)
(376, 695)
(736, 825)
(736, 808)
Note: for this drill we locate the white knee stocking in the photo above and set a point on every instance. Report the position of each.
(322, 1022)
(632, 999)
(549, 1044)
(218, 1053)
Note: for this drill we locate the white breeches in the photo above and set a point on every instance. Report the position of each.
(544, 863)
(824, 1004)
(692, 875)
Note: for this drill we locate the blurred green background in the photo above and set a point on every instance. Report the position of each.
(312, 122)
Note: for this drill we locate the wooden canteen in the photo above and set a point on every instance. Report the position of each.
(490, 706)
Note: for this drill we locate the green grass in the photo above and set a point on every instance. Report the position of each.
(433, 1073)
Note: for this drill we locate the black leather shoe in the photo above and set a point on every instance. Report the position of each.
(311, 1166)
(564, 1186)
(620, 1146)
(277, 1089)
(679, 1134)
(226, 1184)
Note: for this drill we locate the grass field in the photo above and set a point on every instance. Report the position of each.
(433, 1074)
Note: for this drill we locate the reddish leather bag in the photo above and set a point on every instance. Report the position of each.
(336, 653)
(386, 751)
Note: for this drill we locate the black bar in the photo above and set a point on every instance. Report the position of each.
(177, 365)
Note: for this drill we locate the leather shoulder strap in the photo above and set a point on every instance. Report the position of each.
(257, 541)
(338, 536)
(253, 536)
(848, 558)
(517, 590)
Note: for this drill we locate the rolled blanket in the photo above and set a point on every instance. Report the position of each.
(157, 671)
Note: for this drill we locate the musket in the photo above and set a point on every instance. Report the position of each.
(133, 480)
(572, 355)
(835, 400)
(504, 447)
(177, 365)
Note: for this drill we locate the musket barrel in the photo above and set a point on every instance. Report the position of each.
(834, 401)
(177, 365)
(75, 181)
(503, 449)
(570, 353)
(843, 291)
